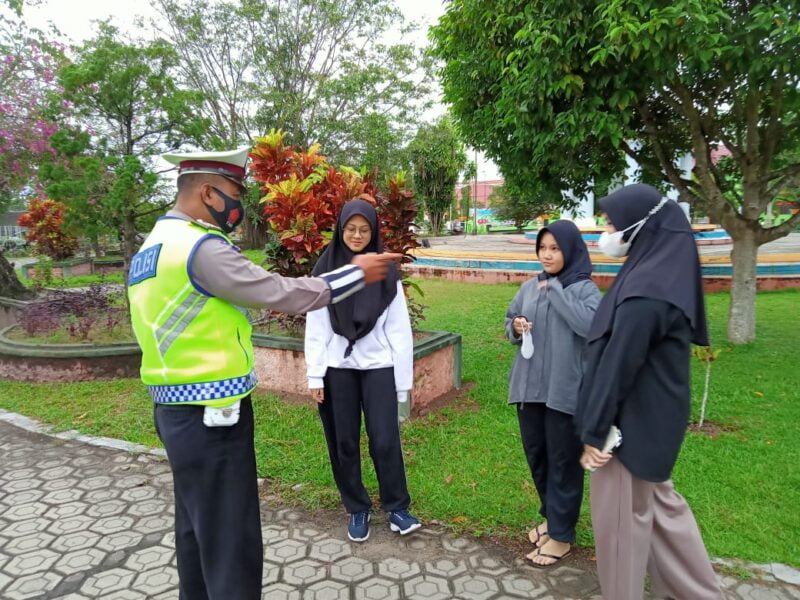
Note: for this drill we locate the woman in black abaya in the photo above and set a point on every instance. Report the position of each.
(637, 378)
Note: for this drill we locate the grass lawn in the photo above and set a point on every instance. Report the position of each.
(74, 281)
(465, 464)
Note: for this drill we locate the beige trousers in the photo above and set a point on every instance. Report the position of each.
(643, 527)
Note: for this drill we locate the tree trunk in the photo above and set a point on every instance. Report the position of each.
(254, 234)
(742, 315)
(436, 222)
(128, 240)
(10, 285)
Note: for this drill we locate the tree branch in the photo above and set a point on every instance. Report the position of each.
(665, 161)
(777, 179)
(159, 208)
(736, 151)
(773, 130)
(752, 137)
(769, 234)
(702, 154)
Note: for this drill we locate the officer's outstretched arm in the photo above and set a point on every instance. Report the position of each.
(218, 269)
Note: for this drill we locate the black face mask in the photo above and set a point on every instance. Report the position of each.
(230, 216)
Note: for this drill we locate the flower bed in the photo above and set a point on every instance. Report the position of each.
(74, 267)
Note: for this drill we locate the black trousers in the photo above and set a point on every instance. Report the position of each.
(347, 393)
(553, 451)
(217, 520)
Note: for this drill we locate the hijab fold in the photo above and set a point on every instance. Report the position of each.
(663, 263)
(355, 316)
(577, 265)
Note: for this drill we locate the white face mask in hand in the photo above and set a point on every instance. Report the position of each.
(527, 344)
(613, 244)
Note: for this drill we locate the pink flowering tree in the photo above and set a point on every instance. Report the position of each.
(28, 66)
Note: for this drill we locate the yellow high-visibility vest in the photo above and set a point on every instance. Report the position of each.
(196, 348)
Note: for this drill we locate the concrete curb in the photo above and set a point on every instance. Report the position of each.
(35, 426)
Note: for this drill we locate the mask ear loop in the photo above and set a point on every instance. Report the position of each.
(641, 223)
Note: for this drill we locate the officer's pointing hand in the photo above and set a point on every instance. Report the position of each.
(375, 266)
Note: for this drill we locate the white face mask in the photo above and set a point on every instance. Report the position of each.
(613, 244)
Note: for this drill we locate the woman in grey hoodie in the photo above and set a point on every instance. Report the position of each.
(549, 319)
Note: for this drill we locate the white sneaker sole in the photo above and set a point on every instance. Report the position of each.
(397, 529)
(352, 539)
(365, 538)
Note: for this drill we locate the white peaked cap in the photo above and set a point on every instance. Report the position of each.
(229, 163)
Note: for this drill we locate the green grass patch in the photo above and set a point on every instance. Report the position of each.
(465, 464)
(79, 280)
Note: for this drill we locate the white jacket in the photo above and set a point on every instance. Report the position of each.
(389, 344)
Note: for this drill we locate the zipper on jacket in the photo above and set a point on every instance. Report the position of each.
(544, 340)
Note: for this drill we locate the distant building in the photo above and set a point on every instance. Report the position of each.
(484, 191)
(8, 225)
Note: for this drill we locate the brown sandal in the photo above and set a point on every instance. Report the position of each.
(556, 558)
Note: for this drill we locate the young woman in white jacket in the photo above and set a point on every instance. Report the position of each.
(360, 357)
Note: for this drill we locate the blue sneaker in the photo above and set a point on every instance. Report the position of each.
(358, 527)
(403, 522)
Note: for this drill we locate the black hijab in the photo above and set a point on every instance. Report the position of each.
(355, 317)
(662, 264)
(577, 265)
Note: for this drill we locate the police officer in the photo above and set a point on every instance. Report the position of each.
(188, 286)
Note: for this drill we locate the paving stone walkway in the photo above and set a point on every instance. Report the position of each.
(80, 522)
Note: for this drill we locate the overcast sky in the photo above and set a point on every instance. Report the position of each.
(74, 19)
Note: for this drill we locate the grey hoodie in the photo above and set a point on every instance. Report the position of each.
(561, 319)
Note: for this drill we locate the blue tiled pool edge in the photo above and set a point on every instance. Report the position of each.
(723, 270)
(717, 235)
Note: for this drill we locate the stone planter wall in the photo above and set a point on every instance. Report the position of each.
(280, 366)
(79, 266)
(21, 361)
(9, 310)
(104, 266)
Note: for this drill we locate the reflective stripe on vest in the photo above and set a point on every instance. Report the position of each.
(182, 316)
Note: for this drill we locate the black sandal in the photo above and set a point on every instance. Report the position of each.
(539, 535)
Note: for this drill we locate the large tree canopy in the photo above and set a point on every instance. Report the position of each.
(323, 72)
(127, 109)
(338, 73)
(560, 92)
